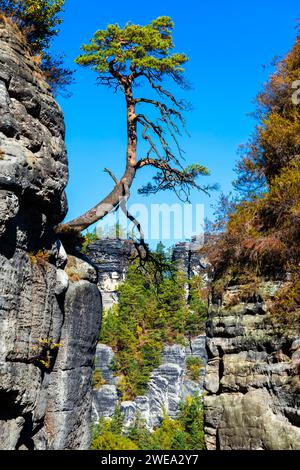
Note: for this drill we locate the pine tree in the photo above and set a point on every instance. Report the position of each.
(151, 311)
(124, 58)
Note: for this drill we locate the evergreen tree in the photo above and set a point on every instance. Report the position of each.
(124, 58)
(184, 433)
(151, 311)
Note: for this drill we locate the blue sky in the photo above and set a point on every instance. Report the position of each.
(227, 43)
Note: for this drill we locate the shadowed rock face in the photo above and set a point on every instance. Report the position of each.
(44, 392)
(188, 258)
(252, 381)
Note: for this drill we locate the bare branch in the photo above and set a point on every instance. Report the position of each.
(122, 205)
(167, 115)
(161, 91)
(107, 170)
(170, 178)
(158, 131)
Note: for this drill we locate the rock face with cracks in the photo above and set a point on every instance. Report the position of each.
(112, 257)
(169, 385)
(252, 378)
(49, 321)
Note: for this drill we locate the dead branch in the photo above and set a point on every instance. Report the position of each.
(123, 207)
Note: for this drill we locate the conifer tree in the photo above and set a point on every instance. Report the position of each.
(143, 55)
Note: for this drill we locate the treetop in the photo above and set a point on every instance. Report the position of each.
(134, 48)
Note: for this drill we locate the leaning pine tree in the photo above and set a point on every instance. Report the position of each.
(142, 55)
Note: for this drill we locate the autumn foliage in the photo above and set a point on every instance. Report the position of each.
(261, 229)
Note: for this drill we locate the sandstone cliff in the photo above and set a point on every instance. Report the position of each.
(50, 307)
(112, 258)
(252, 377)
(169, 385)
(48, 322)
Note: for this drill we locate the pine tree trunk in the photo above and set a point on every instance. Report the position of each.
(122, 188)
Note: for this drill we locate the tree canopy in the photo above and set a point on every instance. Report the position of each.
(151, 311)
(186, 432)
(38, 19)
(133, 51)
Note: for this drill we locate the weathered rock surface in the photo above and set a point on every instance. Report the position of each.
(48, 322)
(168, 386)
(33, 163)
(68, 413)
(187, 257)
(112, 257)
(252, 380)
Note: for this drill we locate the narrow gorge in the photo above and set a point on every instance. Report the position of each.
(51, 308)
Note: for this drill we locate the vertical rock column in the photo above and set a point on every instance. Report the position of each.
(39, 307)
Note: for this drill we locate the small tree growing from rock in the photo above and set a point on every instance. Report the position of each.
(39, 21)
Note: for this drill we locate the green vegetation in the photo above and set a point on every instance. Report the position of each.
(45, 352)
(151, 312)
(141, 47)
(260, 227)
(98, 380)
(193, 365)
(39, 21)
(89, 237)
(184, 433)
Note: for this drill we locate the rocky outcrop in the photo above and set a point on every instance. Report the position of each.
(169, 385)
(49, 321)
(68, 413)
(112, 257)
(252, 378)
(188, 258)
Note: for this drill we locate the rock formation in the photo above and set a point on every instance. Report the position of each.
(50, 308)
(112, 257)
(252, 378)
(186, 256)
(169, 385)
(48, 322)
